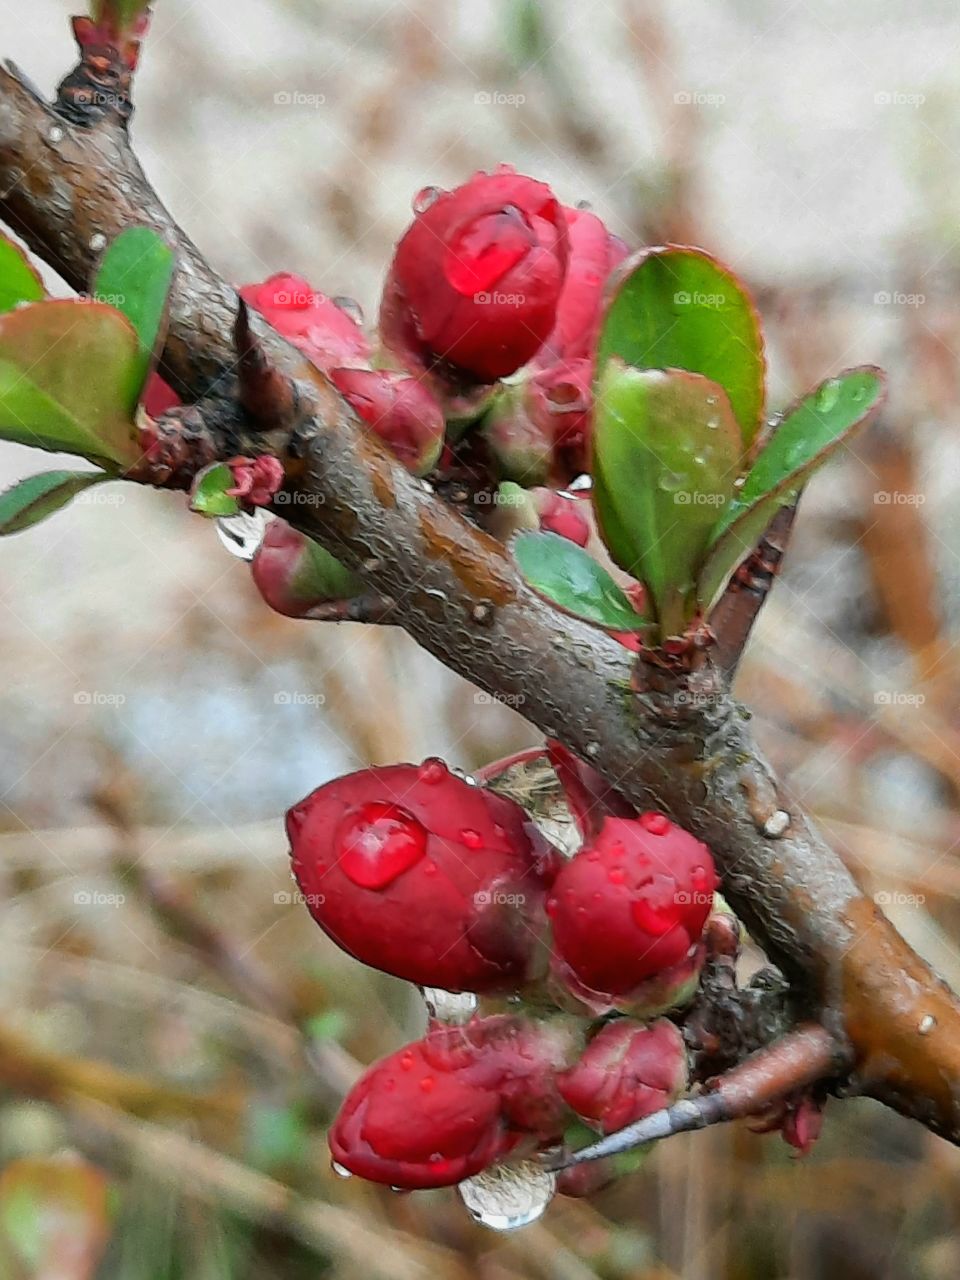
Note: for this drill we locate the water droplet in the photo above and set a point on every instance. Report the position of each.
(927, 1024)
(432, 771)
(55, 134)
(711, 400)
(592, 749)
(509, 1195)
(242, 534)
(472, 839)
(406, 1061)
(671, 481)
(617, 875)
(827, 396)
(350, 307)
(339, 1170)
(424, 198)
(551, 906)
(658, 824)
(776, 824)
(379, 842)
(660, 908)
(98, 241)
(451, 1007)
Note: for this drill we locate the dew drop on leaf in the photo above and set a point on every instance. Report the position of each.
(828, 395)
(339, 1170)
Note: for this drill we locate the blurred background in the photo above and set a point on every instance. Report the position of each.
(168, 1012)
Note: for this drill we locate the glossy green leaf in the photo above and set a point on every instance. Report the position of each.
(18, 280)
(804, 438)
(570, 578)
(666, 452)
(135, 277)
(33, 499)
(209, 495)
(69, 380)
(678, 308)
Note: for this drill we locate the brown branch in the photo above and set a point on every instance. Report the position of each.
(458, 593)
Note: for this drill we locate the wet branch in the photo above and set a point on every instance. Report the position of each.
(65, 186)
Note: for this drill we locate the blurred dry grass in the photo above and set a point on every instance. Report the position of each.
(813, 145)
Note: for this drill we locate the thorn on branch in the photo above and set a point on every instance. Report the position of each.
(733, 619)
(99, 86)
(268, 396)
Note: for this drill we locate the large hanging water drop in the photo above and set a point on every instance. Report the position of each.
(242, 534)
(509, 1195)
(339, 1170)
(454, 1008)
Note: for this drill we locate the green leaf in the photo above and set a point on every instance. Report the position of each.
(33, 499)
(18, 280)
(135, 277)
(69, 380)
(677, 308)
(805, 437)
(570, 578)
(666, 451)
(209, 495)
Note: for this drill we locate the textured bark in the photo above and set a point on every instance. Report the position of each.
(679, 743)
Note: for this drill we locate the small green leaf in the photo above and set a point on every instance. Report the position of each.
(33, 499)
(18, 280)
(209, 495)
(570, 578)
(666, 451)
(135, 277)
(805, 437)
(69, 380)
(678, 308)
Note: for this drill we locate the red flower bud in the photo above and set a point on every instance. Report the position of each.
(563, 515)
(294, 574)
(417, 873)
(453, 1103)
(476, 279)
(400, 409)
(626, 1072)
(159, 396)
(593, 254)
(628, 910)
(256, 480)
(314, 323)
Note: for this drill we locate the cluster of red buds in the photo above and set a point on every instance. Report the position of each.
(424, 875)
(497, 281)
